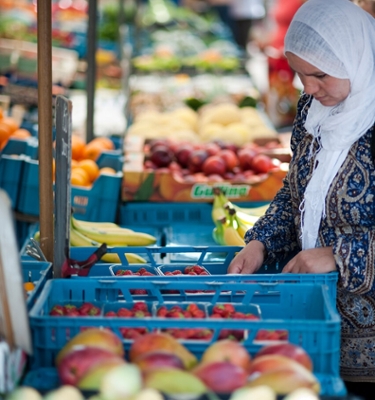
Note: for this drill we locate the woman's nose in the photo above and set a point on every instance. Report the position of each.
(310, 87)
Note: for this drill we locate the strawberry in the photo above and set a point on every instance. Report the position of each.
(187, 314)
(148, 274)
(124, 312)
(204, 273)
(224, 334)
(198, 314)
(175, 314)
(262, 335)
(238, 315)
(162, 311)
(191, 273)
(138, 291)
(85, 308)
(176, 308)
(251, 316)
(142, 331)
(168, 273)
(203, 334)
(176, 272)
(69, 307)
(122, 272)
(216, 315)
(198, 269)
(94, 311)
(237, 334)
(57, 310)
(141, 271)
(110, 314)
(139, 314)
(188, 269)
(192, 307)
(140, 306)
(283, 334)
(72, 312)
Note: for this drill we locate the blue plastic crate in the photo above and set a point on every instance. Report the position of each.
(98, 203)
(38, 273)
(167, 214)
(10, 176)
(27, 147)
(306, 311)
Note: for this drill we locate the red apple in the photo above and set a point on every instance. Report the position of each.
(230, 159)
(161, 156)
(245, 157)
(221, 376)
(183, 153)
(214, 165)
(196, 160)
(290, 350)
(158, 142)
(78, 362)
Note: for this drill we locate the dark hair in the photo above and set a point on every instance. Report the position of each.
(373, 143)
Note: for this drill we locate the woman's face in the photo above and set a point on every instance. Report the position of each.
(326, 89)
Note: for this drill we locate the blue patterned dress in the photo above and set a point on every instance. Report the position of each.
(349, 227)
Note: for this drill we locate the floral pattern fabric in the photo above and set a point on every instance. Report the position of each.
(348, 226)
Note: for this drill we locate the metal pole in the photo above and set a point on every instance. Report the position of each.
(45, 127)
(91, 68)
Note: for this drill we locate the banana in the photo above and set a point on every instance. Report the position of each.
(118, 236)
(218, 211)
(218, 231)
(230, 234)
(97, 225)
(77, 239)
(132, 258)
(255, 211)
(242, 227)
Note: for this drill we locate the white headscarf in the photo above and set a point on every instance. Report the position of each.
(338, 38)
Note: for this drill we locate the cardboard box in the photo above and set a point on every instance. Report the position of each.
(165, 186)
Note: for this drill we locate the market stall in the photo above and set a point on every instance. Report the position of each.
(124, 268)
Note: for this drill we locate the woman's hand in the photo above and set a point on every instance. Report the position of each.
(313, 261)
(249, 259)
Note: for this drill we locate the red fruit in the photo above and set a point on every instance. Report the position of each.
(245, 158)
(214, 165)
(196, 160)
(57, 310)
(191, 273)
(183, 154)
(94, 311)
(78, 362)
(124, 312)
(204, 273)
(230, 159)
(110, 314)
(238, 315)
(132, 334)
(140, 306)
(175, 314)
(198, 314)
(192, 307)
(162, 312)
(158, 359)
(212, 148)
(138, 291)
(72, 312)
(221, 377)
(216, 315)
(161, 156)
(141, 314)
(148, 274)
(262, 164)
(176, 272)
(297, 353)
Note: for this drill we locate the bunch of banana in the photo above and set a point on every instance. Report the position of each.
(232, 221)
(93, 234)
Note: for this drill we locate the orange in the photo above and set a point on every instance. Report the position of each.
(79, 177)
(91, 167)
(21, 134)
(107, 170)
(105, 142)
(92, 151)
(74, 163)
(5, 131)
(28, 286)
(78, 146)
(11, 123)
(1, 113)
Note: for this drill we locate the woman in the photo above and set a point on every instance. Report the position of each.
(325, 210)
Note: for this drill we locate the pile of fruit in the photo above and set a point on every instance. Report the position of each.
(10, 128)
(223, 121)
(157, 363)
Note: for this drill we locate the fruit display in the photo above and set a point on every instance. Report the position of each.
(93, 359)
(169, 170)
